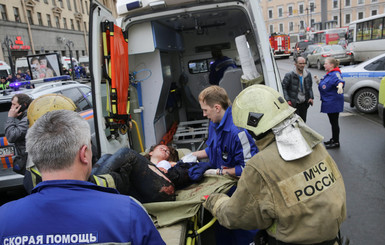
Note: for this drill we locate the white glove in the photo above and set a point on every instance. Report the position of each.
(212, 171)
(340, 89)
(189, 158)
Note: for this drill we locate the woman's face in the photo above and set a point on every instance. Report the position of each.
(328, 66)
(161, 152)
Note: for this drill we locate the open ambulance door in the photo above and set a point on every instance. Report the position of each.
(271, 74)
(111, 126)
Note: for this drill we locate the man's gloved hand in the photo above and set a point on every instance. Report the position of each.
(212, 171)
(196, 172)
(213, 201)
(189, 158)
(340, 89)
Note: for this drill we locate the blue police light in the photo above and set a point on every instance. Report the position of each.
(16, 85)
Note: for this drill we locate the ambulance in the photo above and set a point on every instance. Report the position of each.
(5, 69)
(149, 66)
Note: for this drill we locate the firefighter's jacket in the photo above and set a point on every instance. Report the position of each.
(76, 212)
(301, 201)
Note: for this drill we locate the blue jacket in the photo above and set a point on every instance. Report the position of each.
(229, 146)
(332, 102)
(75, 212)
(218, 68)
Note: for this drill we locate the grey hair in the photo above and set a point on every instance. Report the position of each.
(55, 138)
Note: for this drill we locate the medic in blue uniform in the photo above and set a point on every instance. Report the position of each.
(228, 145)
(99, 215)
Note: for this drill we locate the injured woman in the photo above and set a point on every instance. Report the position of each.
(150, 178)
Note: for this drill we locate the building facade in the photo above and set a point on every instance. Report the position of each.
(45, 26)
(300, 16)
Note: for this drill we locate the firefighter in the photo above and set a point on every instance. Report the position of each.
(292, 188)
(125, 170)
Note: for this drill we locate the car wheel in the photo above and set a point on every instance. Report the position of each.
(319, 66)
(366, 100)
(308, 63)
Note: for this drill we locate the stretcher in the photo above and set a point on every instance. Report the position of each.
(178, 221)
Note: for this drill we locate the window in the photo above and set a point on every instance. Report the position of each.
(72, 24)
(312, 7)
(335, 18)
(68, 4)
(271, 29)
(57, 22)
(312, 21)
(87, 6)
(360, 2)
(377, 65)
(54, 3)
(46, 1)
(335, 4)
(17, 15)
(78, 98)
(281, 27)
(374, 1)
(300, 8)
(291, 26)
(78, 24)
(347, 3)
(29, 16)
(302, 25)
(61, 3)
(367, 30)
(377, 29)
(360, 15)
(81, 5)
(65, 23)
(49, 20)
(39, 19)
(280, 12)
(374, 12)
(290, 10)
(3, 12)
(75, 6)
(270, 13)
(347, 18)
(198, 66)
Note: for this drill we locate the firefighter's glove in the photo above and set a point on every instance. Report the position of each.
(340, 90)
(212, 172)
(196, 172)
(214, 201)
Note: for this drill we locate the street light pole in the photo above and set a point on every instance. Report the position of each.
(69, 44)
(340, 13)
(8, 43)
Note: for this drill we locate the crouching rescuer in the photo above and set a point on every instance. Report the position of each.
(292, 189)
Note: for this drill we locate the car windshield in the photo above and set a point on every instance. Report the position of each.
(303, 45)
(327, 48)
(4, 108)
(337, 48)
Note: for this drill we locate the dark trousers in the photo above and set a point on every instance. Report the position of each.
(333, 118)
(302, 110)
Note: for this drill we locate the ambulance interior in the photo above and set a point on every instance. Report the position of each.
(172, 55)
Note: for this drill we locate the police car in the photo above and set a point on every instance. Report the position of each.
(79, 93)
(362, 83)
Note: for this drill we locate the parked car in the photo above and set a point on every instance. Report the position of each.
(320, 54)
(381, 101)
(300, 47)
(79, 93)
(362, 83)
(309, 49)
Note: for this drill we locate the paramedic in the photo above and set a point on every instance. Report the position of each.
(67, 208)
(301, 193)
(219, 66)
(229, 148)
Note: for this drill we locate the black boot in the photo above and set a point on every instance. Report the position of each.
(328, 142)
(333, 144)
